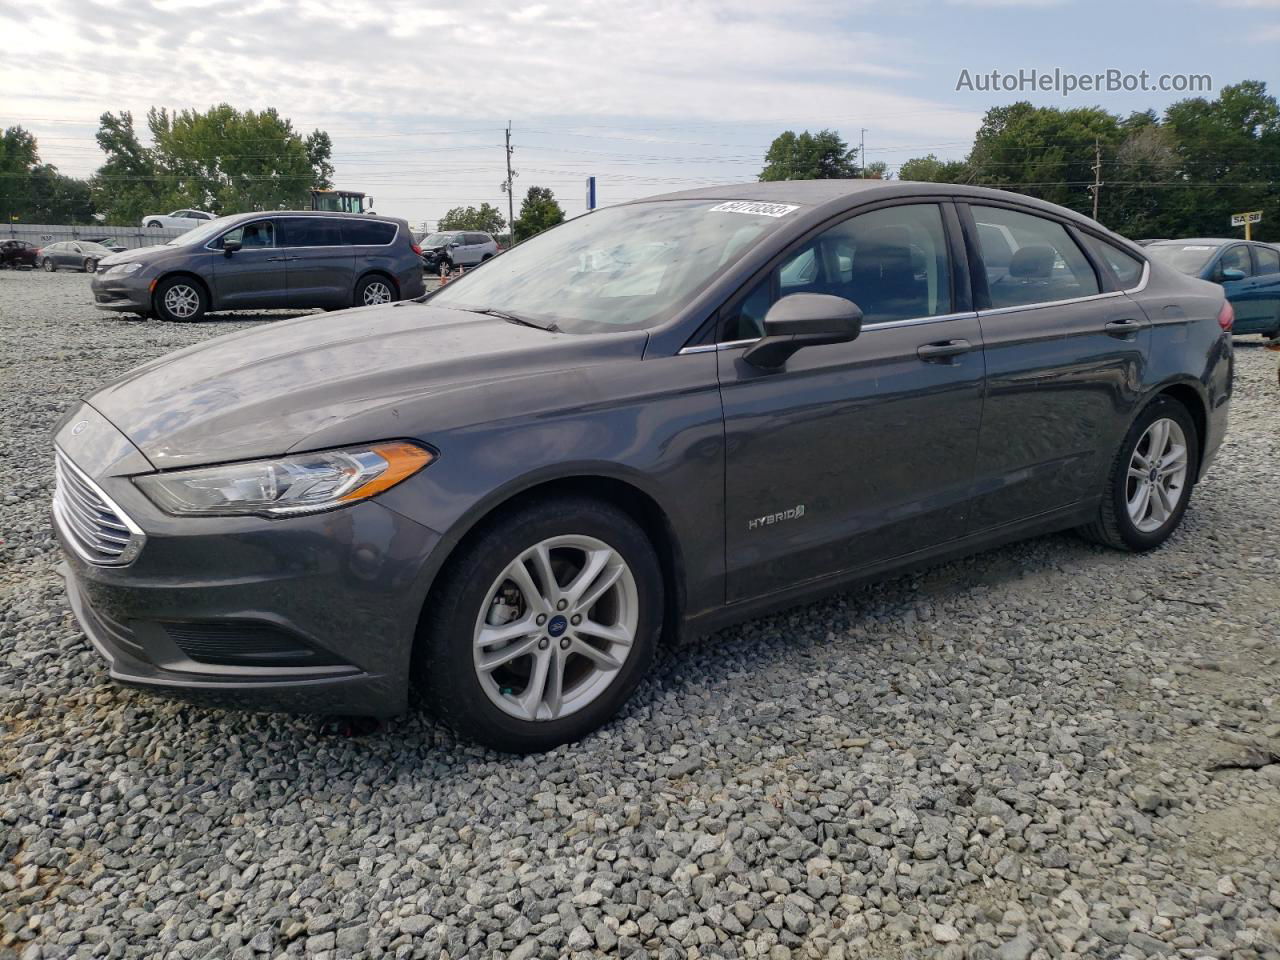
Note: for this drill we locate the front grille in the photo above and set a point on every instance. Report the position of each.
(245, 644)
(100, 532)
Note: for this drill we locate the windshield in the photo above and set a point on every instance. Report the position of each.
(438, 239)
(1188, 258)
(201, 234)
(621, 268)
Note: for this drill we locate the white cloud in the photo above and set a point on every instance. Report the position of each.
(388, 66)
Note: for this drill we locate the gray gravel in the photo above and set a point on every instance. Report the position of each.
(1006, 757)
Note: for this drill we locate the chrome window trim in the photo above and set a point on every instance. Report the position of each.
(137, 538)
(274, 217)
(1142, 285)
(869, 328)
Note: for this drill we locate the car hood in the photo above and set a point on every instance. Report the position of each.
(262, 392)
(144, 254)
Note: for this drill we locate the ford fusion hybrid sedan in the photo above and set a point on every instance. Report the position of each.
(653, 420)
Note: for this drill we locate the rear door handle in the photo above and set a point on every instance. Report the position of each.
(931, 352)
(1122, 328)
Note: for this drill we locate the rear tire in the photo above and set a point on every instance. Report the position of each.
(180, 300)
(49, 266)
(375, 289)
(565, 663)
(155, 225)
(90, 265)
(1159, 455)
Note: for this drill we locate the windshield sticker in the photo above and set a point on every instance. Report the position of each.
(755, 207)
(1197, 248)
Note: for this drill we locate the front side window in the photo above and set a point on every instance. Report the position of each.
(1236, 258)
(261, 233)
(1035, 261)
(628, 267)
(1268, 260)
(893, 263)
(1126, 267)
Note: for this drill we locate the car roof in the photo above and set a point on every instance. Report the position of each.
(1200, 241)
(842, 194)
(259, 214)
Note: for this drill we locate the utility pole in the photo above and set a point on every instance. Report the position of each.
(1097, 174)
(862, 153)
(509, 187)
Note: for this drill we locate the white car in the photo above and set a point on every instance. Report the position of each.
(181, 219)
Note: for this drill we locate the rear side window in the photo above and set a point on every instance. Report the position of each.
(368, 233)
(476, 238)
(1036, 260)
(312, 232)
(1268, 260)
(1126, 267)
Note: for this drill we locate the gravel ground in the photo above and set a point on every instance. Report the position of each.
(1049, 750)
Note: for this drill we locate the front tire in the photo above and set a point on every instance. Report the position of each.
(90, 265)
(543, 625)
(180, 300)
(49, 266)
(155, 225)
(1150, 481)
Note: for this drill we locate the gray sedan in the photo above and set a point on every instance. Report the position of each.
(72, 255)
(656, 419)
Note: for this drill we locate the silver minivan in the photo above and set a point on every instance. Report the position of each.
(256, 261)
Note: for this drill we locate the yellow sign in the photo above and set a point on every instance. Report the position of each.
(1246, 220)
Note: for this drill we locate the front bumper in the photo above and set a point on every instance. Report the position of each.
(131, 294)
(312, 614)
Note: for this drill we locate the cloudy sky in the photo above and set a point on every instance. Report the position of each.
(647, 96)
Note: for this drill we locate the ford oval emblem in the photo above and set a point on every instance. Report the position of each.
(79, 428)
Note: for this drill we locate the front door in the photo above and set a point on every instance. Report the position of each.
(321, 266)
(1064, 366)
(256, 275)
(858, 452)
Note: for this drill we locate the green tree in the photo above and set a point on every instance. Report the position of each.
(929, 169)
(35, 192)
(809, 156)
(538, 211)
(224, 160)
(485, 218)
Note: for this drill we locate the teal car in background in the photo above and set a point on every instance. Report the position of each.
(1248, 272)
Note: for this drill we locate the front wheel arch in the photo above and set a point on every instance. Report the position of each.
(183, 275)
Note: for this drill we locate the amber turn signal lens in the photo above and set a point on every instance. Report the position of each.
(403, 460)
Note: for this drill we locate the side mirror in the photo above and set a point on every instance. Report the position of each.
(1231, 273)
(455, 243)
(230, 246)
(803, 320)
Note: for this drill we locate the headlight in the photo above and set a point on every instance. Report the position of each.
(306, 483)
(123, 269)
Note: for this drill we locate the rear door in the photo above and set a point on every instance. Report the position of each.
(858, 452)
(1065, 350)
(321, 263)
(256, 275)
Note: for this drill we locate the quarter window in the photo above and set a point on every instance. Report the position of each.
(1034, 260)
(1126, 267)
(1268, 260)
(368, 233)
(893, 263)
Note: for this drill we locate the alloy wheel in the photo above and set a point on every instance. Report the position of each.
(1157, 477)
(182, 301)
(376, 292)
(556, 627)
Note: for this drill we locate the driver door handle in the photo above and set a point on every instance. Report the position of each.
(1122, 328)
(944, 350)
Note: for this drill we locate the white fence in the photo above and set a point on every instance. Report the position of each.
(131, 237)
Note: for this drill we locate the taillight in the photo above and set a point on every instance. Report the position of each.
(416, 249)
(1226, 316)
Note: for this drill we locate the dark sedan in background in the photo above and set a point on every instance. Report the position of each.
(1248, 272)
(261, 261)
(72, 255)
(17, 253)
(660, 417)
